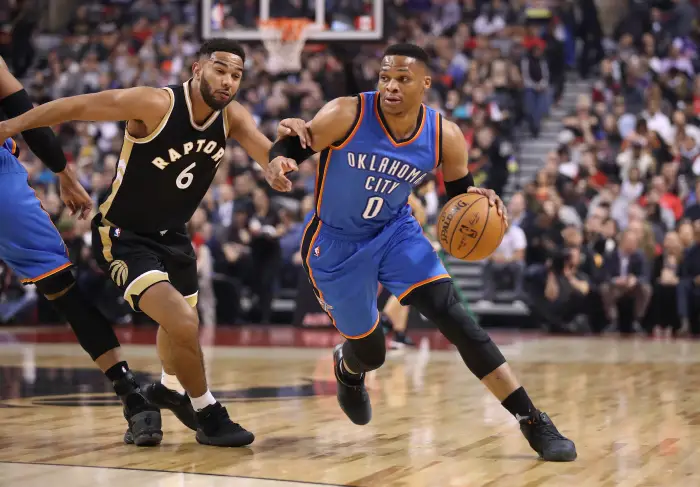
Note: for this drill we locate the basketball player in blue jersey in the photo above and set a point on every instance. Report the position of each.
(374, 148)
(32, 247)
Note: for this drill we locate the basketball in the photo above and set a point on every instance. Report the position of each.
(470, 229)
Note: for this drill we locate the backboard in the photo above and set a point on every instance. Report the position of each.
(335, 20)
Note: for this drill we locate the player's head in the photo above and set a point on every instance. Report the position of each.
(218, 71)
(403, 78)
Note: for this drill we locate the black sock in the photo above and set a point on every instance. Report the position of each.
(519, 404)
(117, 371)
(127, 388)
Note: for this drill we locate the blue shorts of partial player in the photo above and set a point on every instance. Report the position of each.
(30, 244)
(346, 272)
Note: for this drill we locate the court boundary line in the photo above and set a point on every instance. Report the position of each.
(132, 469)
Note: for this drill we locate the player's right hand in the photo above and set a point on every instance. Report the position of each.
(73, 194)
(276, 170)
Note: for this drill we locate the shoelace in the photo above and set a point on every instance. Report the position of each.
(548, 430)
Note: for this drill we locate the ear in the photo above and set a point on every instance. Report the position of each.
(196, 69)
(427, 82)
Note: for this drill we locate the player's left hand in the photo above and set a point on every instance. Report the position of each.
(73, 194)
(290, 127)
(494, 199)
(276, 171)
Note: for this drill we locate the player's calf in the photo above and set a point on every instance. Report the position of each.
(351, 361)
(95, 335)
(163, 303)
(439, 303)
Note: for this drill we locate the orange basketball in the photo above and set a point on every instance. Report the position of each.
(470, 229)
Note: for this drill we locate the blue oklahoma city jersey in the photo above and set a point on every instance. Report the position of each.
(365, 182)
(29, 242)
(362, 232)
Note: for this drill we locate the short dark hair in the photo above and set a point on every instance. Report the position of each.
(219, 44)
(408, 50)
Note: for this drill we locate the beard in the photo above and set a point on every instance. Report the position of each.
(207, 93)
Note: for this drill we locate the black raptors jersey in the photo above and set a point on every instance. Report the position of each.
(162, 178)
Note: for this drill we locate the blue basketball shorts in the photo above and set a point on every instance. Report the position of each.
(30, 244)
(345, 273)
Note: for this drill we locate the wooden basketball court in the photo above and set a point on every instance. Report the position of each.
(632, 406)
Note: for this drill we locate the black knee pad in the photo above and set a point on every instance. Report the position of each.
(440, 303)
(366, 353)
(56, 283)
(91, 328)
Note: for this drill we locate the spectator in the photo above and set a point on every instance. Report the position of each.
(625, 290)
(507, 262)
(689, 289)
(536, 79)
(663, 315)
(559, 294)
(265, 228)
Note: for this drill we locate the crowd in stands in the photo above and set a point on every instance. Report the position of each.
(497, 65)
(608, 235)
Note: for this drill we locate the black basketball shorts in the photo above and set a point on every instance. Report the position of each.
(137, 261)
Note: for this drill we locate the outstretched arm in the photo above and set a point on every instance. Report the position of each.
(331, 124)
(243, 129)
(15, 101)
(142, 104)
(455, 169)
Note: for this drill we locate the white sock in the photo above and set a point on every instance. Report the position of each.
(199, 403)
(171, 382)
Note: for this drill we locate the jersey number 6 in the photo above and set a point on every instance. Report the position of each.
(185, 178)
(374, 206)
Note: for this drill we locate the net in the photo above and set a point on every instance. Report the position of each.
(284, 40)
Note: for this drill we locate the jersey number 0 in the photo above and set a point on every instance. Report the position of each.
(374, 206)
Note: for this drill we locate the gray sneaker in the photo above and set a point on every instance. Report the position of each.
(145, 428)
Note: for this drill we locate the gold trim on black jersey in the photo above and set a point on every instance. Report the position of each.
(227, 127)
(139, 285)
(188, 102)
(118, 176)
(106, 241)
(159, 128)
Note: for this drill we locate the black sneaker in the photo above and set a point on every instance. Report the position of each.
(352, 394)
(546, 440)
(144, 422)
(400, 340)
(217, 429)
(164, 398)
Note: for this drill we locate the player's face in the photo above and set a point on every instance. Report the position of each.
(402, 82)
(219, 78)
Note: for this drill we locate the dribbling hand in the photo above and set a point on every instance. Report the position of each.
(494, 199)
(275, 173)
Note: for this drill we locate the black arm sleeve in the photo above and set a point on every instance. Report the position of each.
(291, 147)
(42, 141)
(459, 186)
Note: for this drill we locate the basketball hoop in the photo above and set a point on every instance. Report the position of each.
(284, 40)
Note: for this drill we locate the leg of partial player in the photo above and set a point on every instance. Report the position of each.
(169, 393)
(398, 315)
(164, 304)
(95, 335)
(439, 303)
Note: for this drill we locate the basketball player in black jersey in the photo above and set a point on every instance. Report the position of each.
(173, 144)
